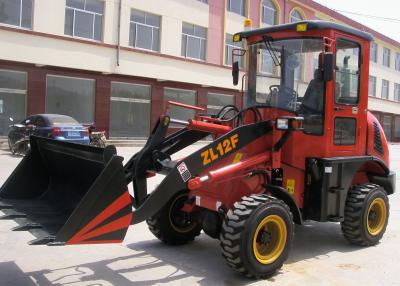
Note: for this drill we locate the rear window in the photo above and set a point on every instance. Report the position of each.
(62, 120)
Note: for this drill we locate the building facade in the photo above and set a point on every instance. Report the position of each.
(116, 63)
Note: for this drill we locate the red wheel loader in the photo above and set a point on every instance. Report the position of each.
(304, 147)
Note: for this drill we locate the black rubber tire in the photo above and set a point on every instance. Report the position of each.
(11, 146)
(354, 226)
(163, 227)
(239, 228)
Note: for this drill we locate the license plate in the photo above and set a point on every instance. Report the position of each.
(73, 134)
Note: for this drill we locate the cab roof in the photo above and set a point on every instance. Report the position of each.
(311, 25)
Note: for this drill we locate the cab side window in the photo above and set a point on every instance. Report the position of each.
(347, 72)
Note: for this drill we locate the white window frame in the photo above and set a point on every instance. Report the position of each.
(397, 62)
(292, 17)
(231, 48)
(264, 53)
(20, 18)
(373, 44)
(242, 6)
(387, 89)
(396, 96)
(275, 10)
(93, 25)
(374, 91)
(195, 37)
(152, 33)
(384, 55)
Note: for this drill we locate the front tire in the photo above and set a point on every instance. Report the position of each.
(366, 214)
(257, 235)
(173, 226)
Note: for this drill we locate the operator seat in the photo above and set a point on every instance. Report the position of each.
(313, 101)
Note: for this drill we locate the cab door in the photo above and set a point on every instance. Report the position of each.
(346, 100)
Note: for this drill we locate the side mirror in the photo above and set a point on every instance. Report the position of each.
(289, 123)
(328, 66)
(235, 73)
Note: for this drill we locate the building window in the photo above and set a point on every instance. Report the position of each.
(296, 16)
(16, 13)
(397, 92)
(194, 39)
(237, 6)
(372, 85)
(84, 19)
(130, 110)
(269, 13)
(386, 57)
(397, 127)
(374, 52)
(216, 101)
(145, 31)
(397, 64)
(387, 126)
(71, 96)
(385, 89)
(267, 64)
(13, 90)
(182, 96)
(229, 46)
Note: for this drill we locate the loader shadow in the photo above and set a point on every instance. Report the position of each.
(11, 274)
(202, 258)
(109, 272)
(197, 262)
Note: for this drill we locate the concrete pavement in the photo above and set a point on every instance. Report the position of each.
(320, 255)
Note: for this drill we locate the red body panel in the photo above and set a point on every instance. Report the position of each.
(292, 157)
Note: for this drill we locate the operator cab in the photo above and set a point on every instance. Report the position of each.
(309, 69)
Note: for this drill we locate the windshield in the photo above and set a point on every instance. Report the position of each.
(286, 74)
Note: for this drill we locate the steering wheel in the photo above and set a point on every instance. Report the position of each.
(276, 89)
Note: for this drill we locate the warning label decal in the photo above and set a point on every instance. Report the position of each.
(184, 171)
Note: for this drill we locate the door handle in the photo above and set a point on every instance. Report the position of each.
(338, 108)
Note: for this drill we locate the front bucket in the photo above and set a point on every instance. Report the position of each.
(66, 193)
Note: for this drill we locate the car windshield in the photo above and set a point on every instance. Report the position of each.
(286, 74)
(57, 120)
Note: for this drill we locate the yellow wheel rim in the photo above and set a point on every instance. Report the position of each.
(376, 216)
(269, 239)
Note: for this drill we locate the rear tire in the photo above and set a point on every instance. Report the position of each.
(257, 235)
(173, 226)
(11, 146)
(366, 214)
